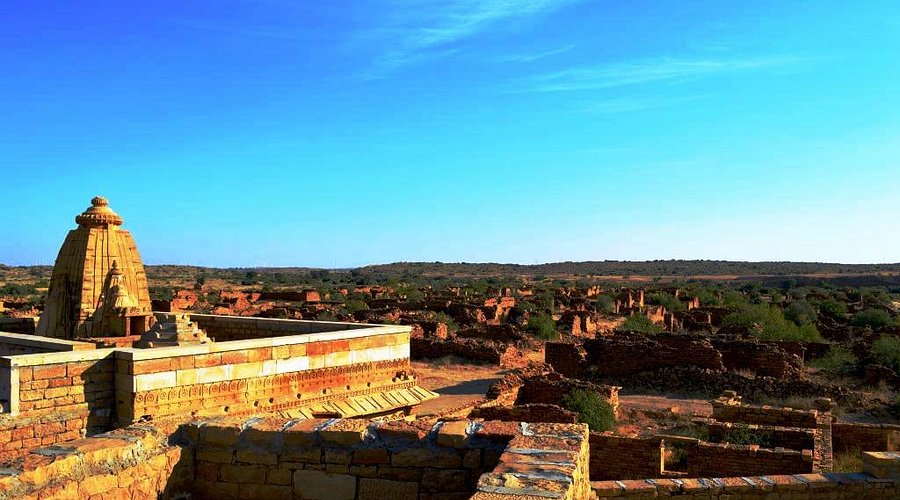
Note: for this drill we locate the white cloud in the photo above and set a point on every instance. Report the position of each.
(415, 31)
(614, 75)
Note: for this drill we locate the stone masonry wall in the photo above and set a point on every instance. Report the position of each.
(357, 459)
(780, 487)
(722, 460)
(764, 415)
(133, 463)
(793, 438)
(255, 376)
(225, 328)
(626, 354)
(847, 437)
(616, 457)
(14, 344)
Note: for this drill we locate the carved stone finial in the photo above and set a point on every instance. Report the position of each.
(99, 214)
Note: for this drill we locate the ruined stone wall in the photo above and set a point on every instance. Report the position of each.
(19, 435)
(626, 354)
(356, 459)
(763, 359)
(793, 438)
(722, 460)
(565, 358)
(18, 325)
(617, 457)
(764, 415)
(847, 436)
(225, 328)
(133, 463)
(526, 413)
(794, 487)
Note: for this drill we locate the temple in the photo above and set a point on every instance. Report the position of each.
(98, 287)
(101, 359)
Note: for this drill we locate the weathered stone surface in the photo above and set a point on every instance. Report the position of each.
(315, 485)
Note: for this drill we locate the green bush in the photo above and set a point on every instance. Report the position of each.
(768, 323)
(542, 326)
(668, 301)
(833, 309)
(639, 323)
(800, 312)
(875, 318)
(838, 361)
(740, 434)
(886, 351)
(606, 304)
(592, 409)
(354, 305)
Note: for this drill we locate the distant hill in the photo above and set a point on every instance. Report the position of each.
(635, 268)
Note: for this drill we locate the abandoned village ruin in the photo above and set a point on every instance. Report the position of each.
(106, 398)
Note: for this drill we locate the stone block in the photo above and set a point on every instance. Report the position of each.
(316, 485)
(243, 474)
(279, 476)
(425, 457)
(49, 371)
(379, 489)
(453, 434)
(371, 456)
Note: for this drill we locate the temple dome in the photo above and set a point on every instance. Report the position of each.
(98, 214)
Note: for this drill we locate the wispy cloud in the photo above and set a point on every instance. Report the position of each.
(631, 104)
(415, 31)
(614, 75)
(526, 58)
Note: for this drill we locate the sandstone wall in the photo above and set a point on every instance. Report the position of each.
(721, 460)
(526, 413)
(132, 463)
(763, 359)
(260, 375)
(764, 415)
(634, 353)
(793, 438)
(616, 457)
(14, 344)
(847, 436)
(225, 328)
(355, 459)
(18, 325)
(778, 487)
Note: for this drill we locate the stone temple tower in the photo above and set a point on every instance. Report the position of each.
(98, 287)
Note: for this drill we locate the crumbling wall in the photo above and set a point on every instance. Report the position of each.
(848, 436)
(526, 413)
(565, 358)
(764, 359)
(794, 487)
(793, 438)
(626, 354)
(764, 415)
(133, 463)
(356, 459)
(722, 460)
(617, 457)
(18, 325)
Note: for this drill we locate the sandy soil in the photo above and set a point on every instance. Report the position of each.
(687, 407)
(457, 383)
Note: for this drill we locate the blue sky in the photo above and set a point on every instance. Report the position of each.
(283, 133)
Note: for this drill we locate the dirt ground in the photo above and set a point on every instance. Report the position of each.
(457, 383)
(687, 407)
